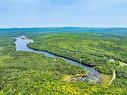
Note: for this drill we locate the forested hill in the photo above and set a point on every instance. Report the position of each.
(24, 31)
(67, 29)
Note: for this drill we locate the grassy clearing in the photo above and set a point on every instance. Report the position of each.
(105, 79)
(67, 78)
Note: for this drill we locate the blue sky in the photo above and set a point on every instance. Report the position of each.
(58, 13)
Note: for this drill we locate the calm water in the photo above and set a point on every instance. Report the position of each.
(93, 75)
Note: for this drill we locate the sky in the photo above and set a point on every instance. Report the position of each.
(63, 13)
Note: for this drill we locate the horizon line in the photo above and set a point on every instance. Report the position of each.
(59, 27)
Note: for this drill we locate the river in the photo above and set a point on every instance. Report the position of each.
(92, 76)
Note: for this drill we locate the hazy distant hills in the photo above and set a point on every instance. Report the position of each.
(116, 31)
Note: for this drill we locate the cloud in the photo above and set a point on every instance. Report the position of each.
(64, 12)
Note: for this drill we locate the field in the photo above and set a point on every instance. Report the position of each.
(24, 73)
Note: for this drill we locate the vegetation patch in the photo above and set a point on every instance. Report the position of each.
(105, 79)
(24, 73)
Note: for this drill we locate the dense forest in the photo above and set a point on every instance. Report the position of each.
(25, 73)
